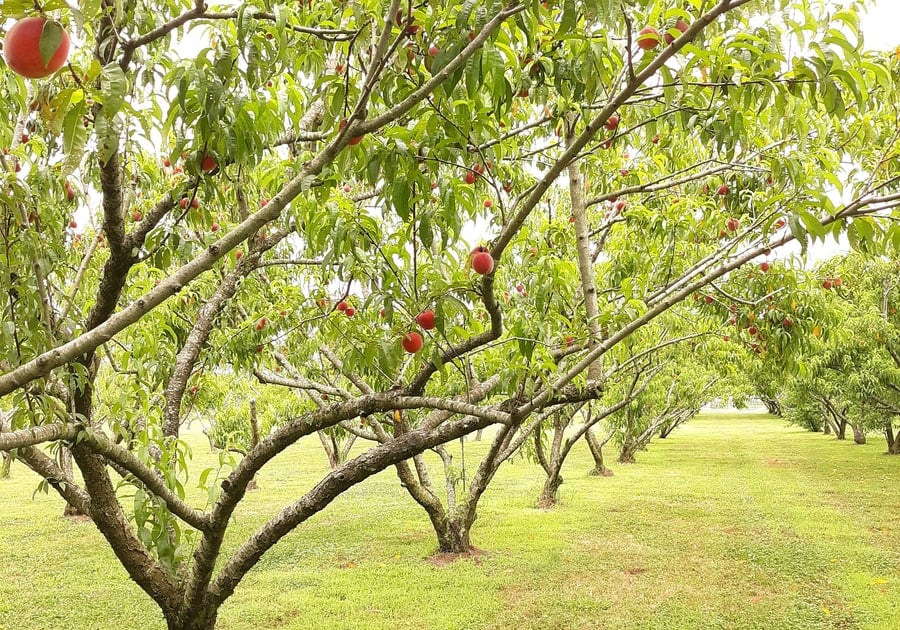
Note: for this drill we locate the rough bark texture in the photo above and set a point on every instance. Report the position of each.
(205, 620)
(5, 458)
(550, 492)
(453, 535)
(420, 489)
(859, 436)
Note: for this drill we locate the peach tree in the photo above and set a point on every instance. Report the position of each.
(850, 375)
(209, 192)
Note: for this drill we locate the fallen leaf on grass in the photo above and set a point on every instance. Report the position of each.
(878, 581)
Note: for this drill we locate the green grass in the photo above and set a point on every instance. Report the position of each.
(735, 521)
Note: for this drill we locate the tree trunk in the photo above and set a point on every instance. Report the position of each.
(826, 427)
(65, 463)
(596, 448)
(453, 534)
(841, 431)
(859, 436)
(206, 620)
(550, 492)
(478, 435)
(331, 449)
(254, 438)
(772, 406)
(626, 453)
(5, 458)
(893, 441)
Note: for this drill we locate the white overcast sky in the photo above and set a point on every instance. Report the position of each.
(880, 25)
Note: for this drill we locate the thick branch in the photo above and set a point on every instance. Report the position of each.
(353, 472)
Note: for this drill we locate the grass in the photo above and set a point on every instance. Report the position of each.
(735, 521)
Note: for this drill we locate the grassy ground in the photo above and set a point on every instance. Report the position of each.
(735, 521)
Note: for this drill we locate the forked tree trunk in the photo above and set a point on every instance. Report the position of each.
(550, 492)
(332, 449)
(772, 406)
(451, 524)
(842, 429)
(859, 436)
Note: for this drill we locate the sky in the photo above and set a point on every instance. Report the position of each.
(880, 25)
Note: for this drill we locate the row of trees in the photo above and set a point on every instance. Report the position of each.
(849, 377)
(285, 201)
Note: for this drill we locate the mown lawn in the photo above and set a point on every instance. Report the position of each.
(735, 521)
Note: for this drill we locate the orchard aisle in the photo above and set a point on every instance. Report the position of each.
(742, 521)
(734, 521)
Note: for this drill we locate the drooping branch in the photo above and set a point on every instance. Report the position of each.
(86, 343)
(672, 180)
(419, 95)
(152, 480)
(663, 303)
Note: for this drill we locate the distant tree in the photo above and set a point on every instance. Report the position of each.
(850, 376)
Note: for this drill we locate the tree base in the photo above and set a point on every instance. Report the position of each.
(601, 472)
(547, 503)
(550, 493)
(445, 558)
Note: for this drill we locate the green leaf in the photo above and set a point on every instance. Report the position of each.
(114, 85)
(426, 234)
(568, 20)
(462, 17)
(51, 38)
(400, 198)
